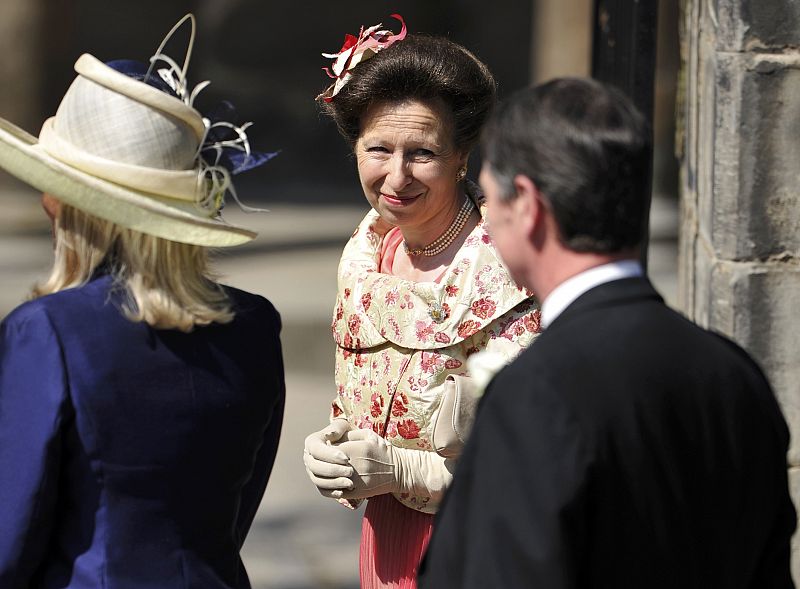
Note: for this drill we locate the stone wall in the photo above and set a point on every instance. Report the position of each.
(740, 218)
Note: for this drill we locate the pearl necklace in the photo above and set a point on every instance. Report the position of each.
(446, 238)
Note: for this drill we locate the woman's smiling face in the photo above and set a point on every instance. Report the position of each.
(407, 162)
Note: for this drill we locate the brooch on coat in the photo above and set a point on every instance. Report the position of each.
(438, 312)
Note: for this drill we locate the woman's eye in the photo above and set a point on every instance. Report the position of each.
(422, 153)
(377, 149)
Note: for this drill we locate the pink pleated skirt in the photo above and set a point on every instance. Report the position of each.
(393, 540)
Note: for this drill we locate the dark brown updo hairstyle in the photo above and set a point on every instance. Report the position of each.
(424, 68)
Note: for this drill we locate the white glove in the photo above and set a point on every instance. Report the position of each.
(326, 465)
(382, 468)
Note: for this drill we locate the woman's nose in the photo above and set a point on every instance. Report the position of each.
(399, 172)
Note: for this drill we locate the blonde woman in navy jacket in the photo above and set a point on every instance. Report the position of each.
(140, 401)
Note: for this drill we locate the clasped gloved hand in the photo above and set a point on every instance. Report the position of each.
(327, 466)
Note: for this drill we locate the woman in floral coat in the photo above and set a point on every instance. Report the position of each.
(421, 289)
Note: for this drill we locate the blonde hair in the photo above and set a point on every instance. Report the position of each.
(169, 284)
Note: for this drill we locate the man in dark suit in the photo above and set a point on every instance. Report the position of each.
(627, 447)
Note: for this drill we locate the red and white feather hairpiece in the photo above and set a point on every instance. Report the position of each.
(355, 50)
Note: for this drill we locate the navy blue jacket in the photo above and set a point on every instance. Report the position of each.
(132, 457)
(625, 449)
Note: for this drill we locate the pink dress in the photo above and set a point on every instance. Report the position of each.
(393, 539)
(393, 536)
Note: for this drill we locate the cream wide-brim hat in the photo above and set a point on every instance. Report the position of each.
(124, 151)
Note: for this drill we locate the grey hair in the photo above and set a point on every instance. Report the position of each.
(586, 148)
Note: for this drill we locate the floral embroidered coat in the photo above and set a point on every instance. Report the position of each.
(398, 340)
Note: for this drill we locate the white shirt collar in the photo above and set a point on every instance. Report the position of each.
(565, 293)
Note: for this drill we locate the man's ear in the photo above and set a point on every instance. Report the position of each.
(528, 204)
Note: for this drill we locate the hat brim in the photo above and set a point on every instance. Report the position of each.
(21, 156)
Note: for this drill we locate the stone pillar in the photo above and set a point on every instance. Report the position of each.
(20, 67)
(20, 70)
(561, 42)
(739, 270)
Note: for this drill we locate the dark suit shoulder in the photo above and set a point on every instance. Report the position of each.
(93, 294)
(244, 301)
(51, 311)
(249, 304)
(25, 312)
(633, 360)
(621, 332)
(31, 317)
